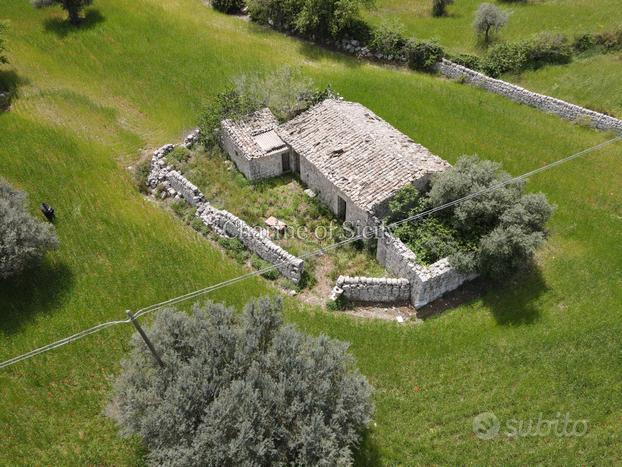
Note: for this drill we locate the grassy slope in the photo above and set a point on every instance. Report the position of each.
(546, 344)
(456, 31)
(595, 82)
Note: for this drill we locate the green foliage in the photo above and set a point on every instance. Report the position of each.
(471, 233)
(3, 58)
(423, 55)
(341, 303)
(178, 158)
(285, 91)
(73, 8)
(316, 19)
(388, 39)
(489, 19)
(235, 248)
(232, 389)
(439, 7)
(23, 239)
(260, 264)
(141, 173)
(228, 6)
(608, 41)
(470, 61)
(543, 49)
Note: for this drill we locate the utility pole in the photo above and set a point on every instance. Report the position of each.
(146, 339)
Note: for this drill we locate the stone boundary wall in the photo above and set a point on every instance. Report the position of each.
(518, 94)
(372, 289)
(222, 222)
(426, 283)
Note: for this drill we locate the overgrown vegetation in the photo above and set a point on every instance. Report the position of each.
(23, 239)
(439, 7)
(228, 6)
(3, 57)
(285, 92)
(141, 173)
(495, 234)
(241, 391)
(74, 8)
(315, 19)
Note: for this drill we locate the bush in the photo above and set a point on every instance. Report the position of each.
(339, 304)
(489, 19)
(285, 91)
(424, 55)
(3, 58)
(141, 173)
(495, 233)
(241, 391)
(470, 61)
(439, 7)
(611, 40)
(584, 42)
(23, 239)
(74, 8)
(235, 248)
(178, 158)
(388, 39)
(228, 6)
(543, 49)
(315, 19)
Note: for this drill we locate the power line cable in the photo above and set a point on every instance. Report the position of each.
(320, 251)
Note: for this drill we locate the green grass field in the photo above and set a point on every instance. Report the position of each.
(455, 31)
(136, 77)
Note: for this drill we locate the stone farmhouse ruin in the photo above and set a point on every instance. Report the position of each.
(355, 161)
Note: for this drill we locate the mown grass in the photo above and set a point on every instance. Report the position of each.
(455, 31)
(135, 77)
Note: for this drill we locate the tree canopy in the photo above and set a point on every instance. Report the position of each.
(23, 239)
(73, 8)
(241, 391)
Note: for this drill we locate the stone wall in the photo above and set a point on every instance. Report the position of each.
(174, 184)
(426, 283)
(373, 289)
(516, 93)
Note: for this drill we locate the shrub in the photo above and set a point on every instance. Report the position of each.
(241, 391)
(505, 57)
(235, 247)
(495, 233)
(23, 239)
(285, 91)
(3, 58)
(584, 42)
(316, 19)
(74, 8)
(488, 19)
(548, 48)
(470, 61)
(228, 6)
(610, 40)
(439, 7)
(339, 304)
(423, 55)
(141, 173)
(388, 39)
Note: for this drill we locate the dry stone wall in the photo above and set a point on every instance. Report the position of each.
(516, 93)
(373, 289)
(426, 283)
(174, 184)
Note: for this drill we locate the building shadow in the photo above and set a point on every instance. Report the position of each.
(367, 454)
(62, 27)
(37, 290)
(516, 301)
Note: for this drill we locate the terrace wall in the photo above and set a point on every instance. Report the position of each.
(222, 222)
(373, 289)
(426, 283)
(518, 94)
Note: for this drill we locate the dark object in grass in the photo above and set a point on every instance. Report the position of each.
(48, 212)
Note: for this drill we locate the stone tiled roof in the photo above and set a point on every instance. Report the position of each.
(365, 157)
(245, 131)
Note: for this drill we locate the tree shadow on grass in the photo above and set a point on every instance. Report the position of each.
(10, 83)
(62, 27)
(516, 301)
(367, 453)
(37, 290)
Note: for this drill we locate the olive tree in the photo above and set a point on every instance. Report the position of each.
(72, 7)
(241, 390)
(23, 239)
(488, 19)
